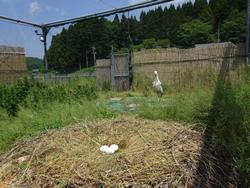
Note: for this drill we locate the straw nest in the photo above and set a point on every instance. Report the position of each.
(151, 154)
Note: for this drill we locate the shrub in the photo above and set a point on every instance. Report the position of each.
(149, 43)
(163, 43)
(31, 93)
(11, 96)
(194, 32)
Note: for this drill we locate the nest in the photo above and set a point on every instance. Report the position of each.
(151, 154)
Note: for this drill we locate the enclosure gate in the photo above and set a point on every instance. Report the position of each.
(120, 62)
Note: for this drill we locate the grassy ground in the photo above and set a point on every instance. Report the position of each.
(37, 115)
(30, 122)
(189, 106)
(28, 109)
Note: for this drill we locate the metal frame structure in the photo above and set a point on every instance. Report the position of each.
(46, 27)
(21, 22)
(107, 13)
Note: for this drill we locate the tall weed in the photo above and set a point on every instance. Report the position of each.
(31, 93)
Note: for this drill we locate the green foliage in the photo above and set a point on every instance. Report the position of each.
(194, 32)
(143, 85)
(40, 106)
(149, 43)
(234, 27)
(152, 43)
(184, 26)
(30, 93)
(242, 147)
(34, 63)
(32, 122)
(229, 124)
(163, 43)
(73, 47)
(138, 47)
(11, 96)
(29, 108)
(224, 110)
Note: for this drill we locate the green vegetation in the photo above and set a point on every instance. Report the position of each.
(34, 63)
(181, 26)
(152, 43)
(29, 108)
(228, 122)
(32, 94)
(224, 111)
(34, 121)
(189, 106)
(195, 32)
(89, 69)
(233, 29)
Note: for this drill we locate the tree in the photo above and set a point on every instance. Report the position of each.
(234, 27)
(206, 15)
(71, 49)
(163, 43)
(221, 10)
(188, 10)
(149, 43)
(199, 6)
(34, 63)
(185, 25)
(194, 32)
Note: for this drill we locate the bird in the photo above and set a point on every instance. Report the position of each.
(157, 85)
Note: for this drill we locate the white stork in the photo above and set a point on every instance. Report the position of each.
(157, 85)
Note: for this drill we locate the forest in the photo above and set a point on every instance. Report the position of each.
(182, 26)
(34, 63)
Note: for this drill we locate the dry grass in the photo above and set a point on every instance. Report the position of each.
(152, 153)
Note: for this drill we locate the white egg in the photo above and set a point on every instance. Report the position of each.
(104, 148)
(107, 149)
(110, 151)
(114, 147)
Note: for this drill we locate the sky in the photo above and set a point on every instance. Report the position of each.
(44, 11)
